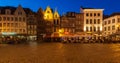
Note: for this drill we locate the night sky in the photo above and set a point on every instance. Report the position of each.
(63, 6)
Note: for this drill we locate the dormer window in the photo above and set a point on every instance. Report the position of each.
(48, 11)
(8, 11)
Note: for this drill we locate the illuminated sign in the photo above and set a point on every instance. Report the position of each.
(8, 33)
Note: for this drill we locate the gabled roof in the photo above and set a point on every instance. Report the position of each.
(113, 14)
(3, 8)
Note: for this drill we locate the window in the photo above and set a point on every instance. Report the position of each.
(87, 21)
(98, 14)
(86, 28)
(57, 21)
(48, 11)
(54, 21)
(87, 14)
(94, 14)
(7, 11)
(105, 22)
(108, 28)
(98, 21)
(4, 18)
(118, 20)
(90, 21)
(90, 28)
(109, 21)
(94, 21)
(98, 28)
(113, 20)
(91, 14)
(94, 29)
(105, 28)
(113, 27)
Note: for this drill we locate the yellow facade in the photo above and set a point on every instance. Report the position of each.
(48, 14)
(53, 18)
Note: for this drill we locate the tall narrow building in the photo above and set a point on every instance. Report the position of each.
(52, 19)
(92, 21)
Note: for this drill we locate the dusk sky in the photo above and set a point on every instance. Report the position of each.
(63, 6)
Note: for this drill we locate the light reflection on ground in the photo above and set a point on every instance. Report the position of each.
(60, 53)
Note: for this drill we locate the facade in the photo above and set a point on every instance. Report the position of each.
(52, 20)
(92, 21)
(72, 23)
(79, 25)
(68, 22)
(111, 25)
(12, 21)
(31, 24)
(41, 24)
